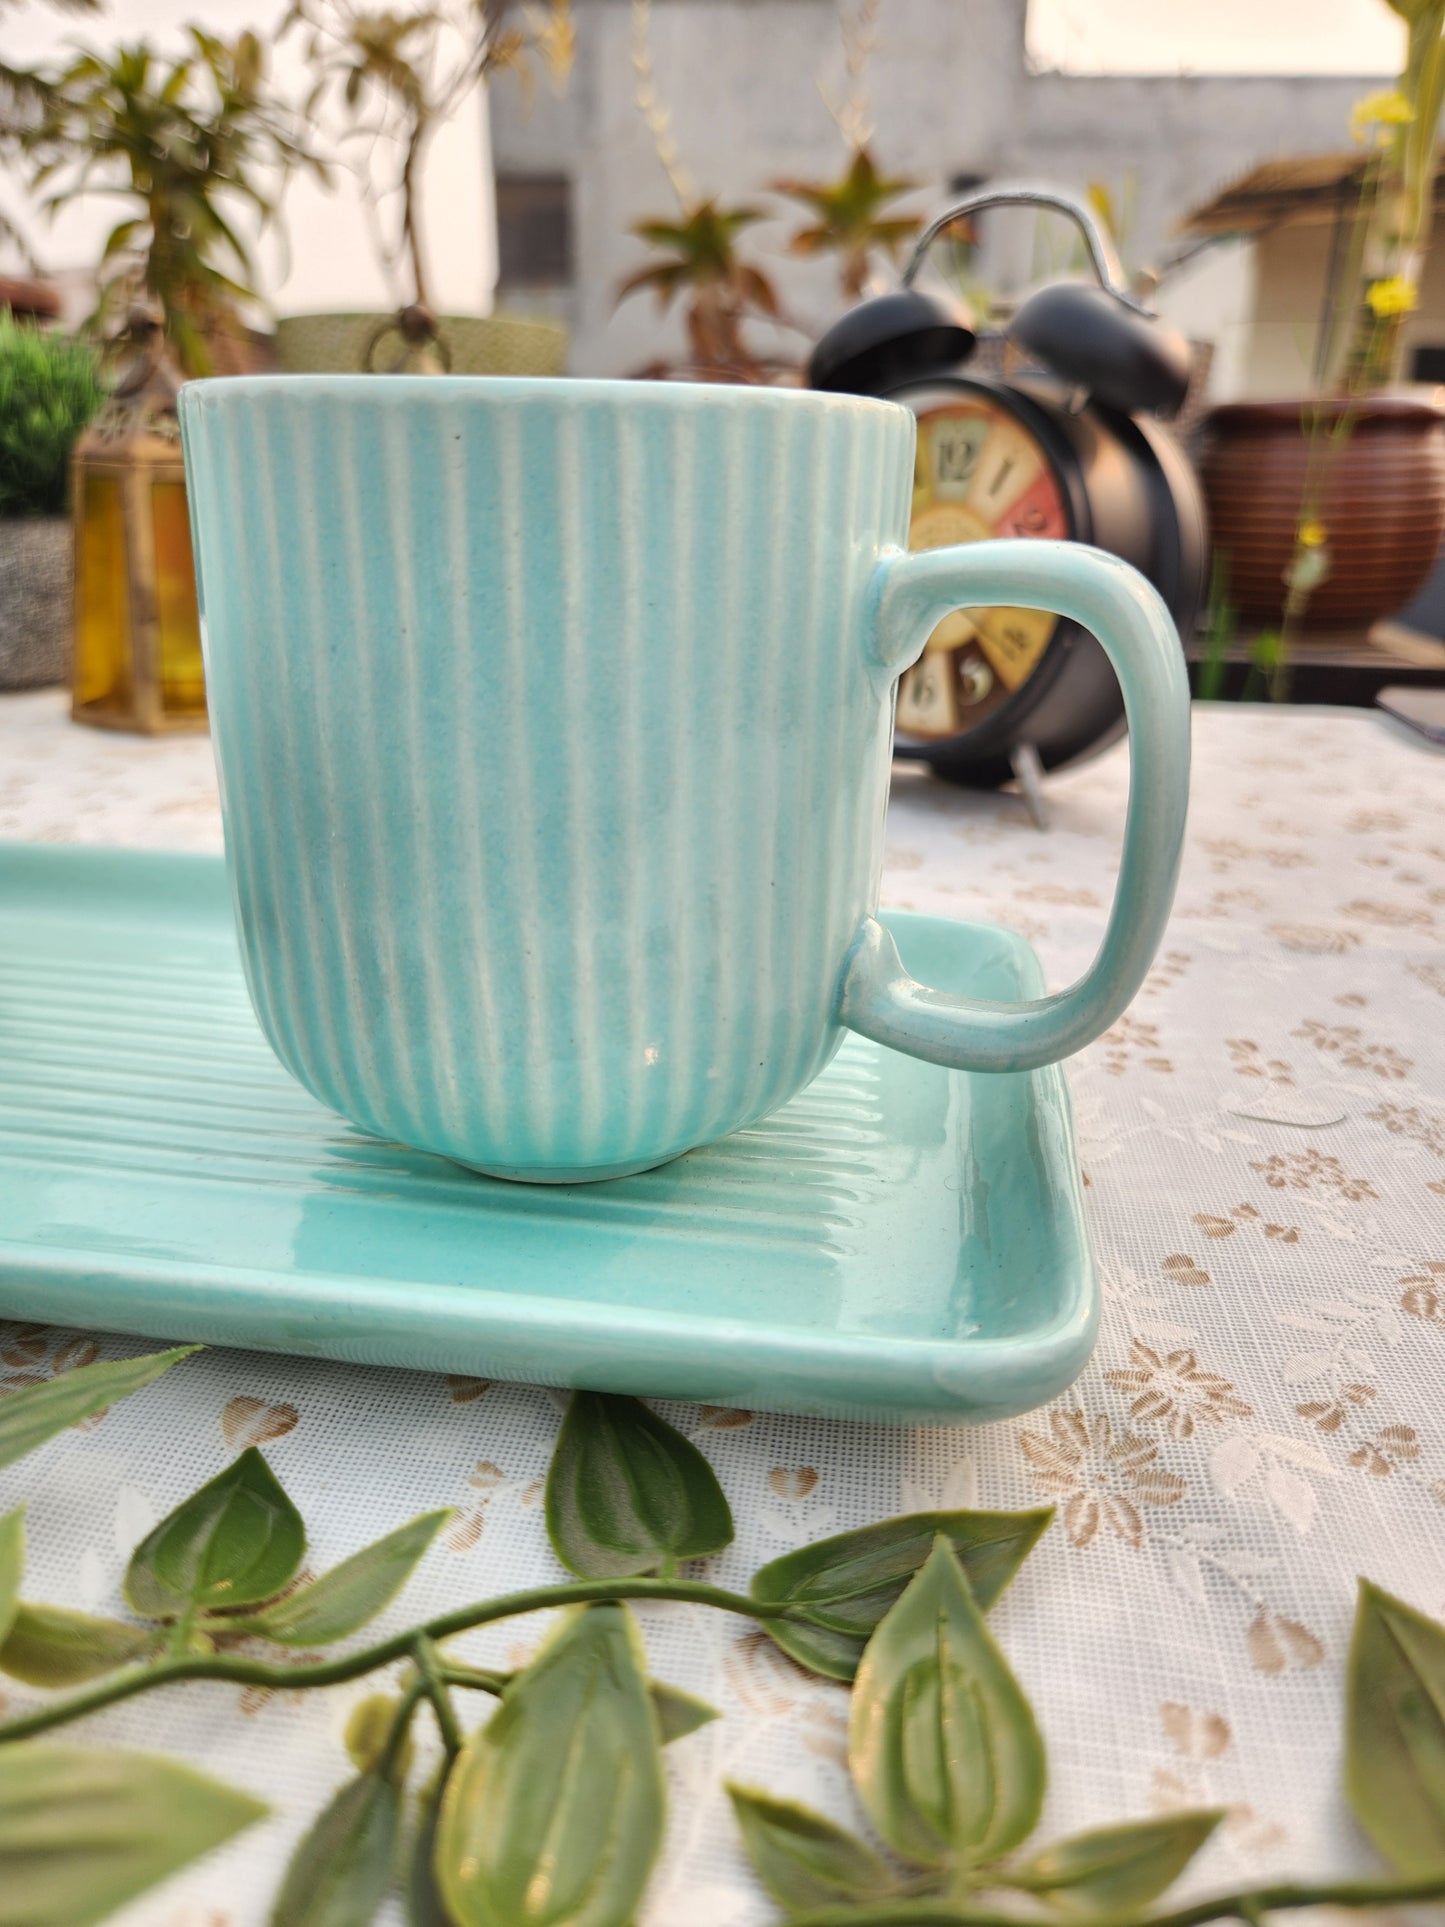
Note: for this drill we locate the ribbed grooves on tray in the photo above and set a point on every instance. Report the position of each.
(175, 1081)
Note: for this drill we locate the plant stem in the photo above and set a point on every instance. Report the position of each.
(473, 1679)
(400, 1727)
(434, 1683)
(1249, 1905)
(411, 206)
(334, 1672)
(179, 1637)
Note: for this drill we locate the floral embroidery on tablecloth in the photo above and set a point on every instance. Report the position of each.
(1180, 1269)
(1424, 1296)
(1245, 1216)
(1248, 1060)
(1227, 851)
(463, 1389)
(1103, 1477)
(1390, 916)
(1198, 1739)
(1131, 1036)
(1175, 1389)
(1309, 1170)
(1409, 1121)
(1315, 939)
(1346, 1042)
(1262, 1421)
(30, 1354)
(484, 1482)
(247, 1421)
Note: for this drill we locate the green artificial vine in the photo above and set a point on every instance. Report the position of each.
(553, 1808)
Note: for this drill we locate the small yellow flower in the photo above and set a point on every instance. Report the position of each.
(1313, 535)
(1387, 109)
(1396, 294)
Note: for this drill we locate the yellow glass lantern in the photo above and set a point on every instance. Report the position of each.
(137, 662)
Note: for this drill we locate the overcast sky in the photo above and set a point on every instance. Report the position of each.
(1081, 36)
(1216, 36)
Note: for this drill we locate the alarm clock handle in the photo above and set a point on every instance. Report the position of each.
(911, 593)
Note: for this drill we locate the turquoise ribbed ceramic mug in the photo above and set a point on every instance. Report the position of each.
(553, 722)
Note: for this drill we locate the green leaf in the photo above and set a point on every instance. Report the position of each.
(628, 1494)
(561, 1791)
(12, 1568)
(344, 1599)
(804, 1860)
(237, 1541)
(341, 1869)
(82, 1830)
(852, 1580)
(678, 1713)
(1116, 1870)
(1395, 1730)
(941, 1740)
(53, 1646)
(37, 1412)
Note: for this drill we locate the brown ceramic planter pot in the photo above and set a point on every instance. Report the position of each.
(1384, 505)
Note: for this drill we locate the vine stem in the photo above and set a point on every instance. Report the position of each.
(434, 1684)
(170, 1669)
(400, 1727)
(1250, 1905)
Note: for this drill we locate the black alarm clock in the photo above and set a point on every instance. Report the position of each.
(1071, 450)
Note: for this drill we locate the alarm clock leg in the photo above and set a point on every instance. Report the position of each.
(1029, 774)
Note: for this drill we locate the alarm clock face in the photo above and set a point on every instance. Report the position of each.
(980, 471)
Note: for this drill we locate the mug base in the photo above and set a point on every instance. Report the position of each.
(583, 1174)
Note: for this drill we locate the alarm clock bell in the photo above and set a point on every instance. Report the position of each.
(1071, 449)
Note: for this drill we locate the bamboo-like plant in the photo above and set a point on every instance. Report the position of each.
(400, 73)
(1364, 332)
(172, 140)
(22, 100)
(700, 262)
(850, 219)
(1398, 198)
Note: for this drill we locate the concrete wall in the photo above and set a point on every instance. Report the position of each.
(951, 94)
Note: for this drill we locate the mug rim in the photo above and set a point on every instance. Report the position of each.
(583, 390)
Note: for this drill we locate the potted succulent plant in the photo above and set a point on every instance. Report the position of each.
(1335, 505)
(397, 75)
(49, 390)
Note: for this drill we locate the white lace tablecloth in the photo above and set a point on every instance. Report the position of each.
(1263, 1137)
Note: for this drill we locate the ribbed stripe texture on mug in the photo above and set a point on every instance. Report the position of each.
(552, 775)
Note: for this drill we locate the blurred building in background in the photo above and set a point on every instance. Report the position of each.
(952, 98)
(1290, 222)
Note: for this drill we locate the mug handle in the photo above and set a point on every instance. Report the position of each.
(909, 594)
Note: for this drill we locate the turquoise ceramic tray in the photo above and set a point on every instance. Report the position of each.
(899, 1242)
